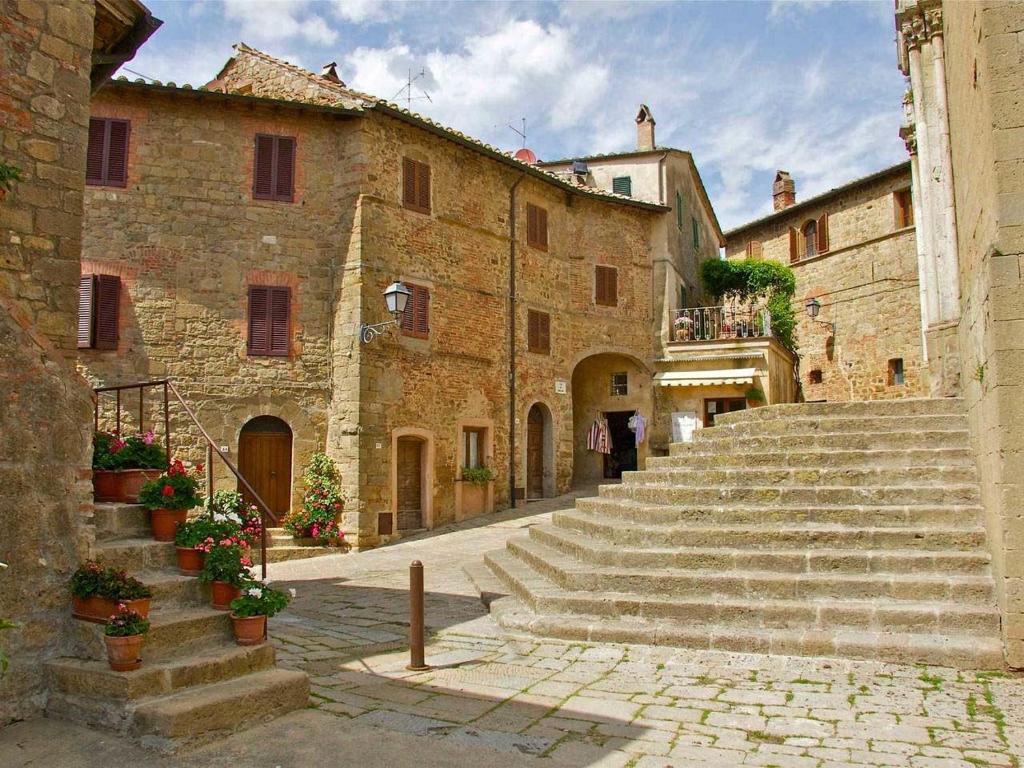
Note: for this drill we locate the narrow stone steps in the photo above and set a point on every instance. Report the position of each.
(282, 553)
(136, 554)
(120, 521)
(572, 574)
(889, 561)
(94, 678)
(906, 458)
(172, 589)
(934, 493)
(710, 440)
(685, 477)
(174, 633)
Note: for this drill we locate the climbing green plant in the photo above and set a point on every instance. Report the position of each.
(754, 280)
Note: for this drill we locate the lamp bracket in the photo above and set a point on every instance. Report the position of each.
(368, 333)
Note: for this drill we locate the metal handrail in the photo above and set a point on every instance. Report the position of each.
(211, 449)
(712, 323)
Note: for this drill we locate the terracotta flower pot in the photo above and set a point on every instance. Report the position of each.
(190, 561)
(99, 609)
(221, 595)
(123, 653)
(121, 485)
(249, 630)
(165, 522)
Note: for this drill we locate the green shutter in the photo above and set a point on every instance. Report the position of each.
(679, 211)
(696, 232)
(622, 185)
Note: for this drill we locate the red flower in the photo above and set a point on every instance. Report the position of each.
(168, 491)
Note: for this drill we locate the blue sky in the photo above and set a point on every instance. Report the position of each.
(810, 86)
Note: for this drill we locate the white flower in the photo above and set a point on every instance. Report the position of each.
(254, 592)
(291, 592)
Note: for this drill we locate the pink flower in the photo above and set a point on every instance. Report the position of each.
(117, 445)
(149, 437)
(247, 562)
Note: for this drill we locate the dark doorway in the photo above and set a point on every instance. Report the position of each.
(535, 453)
(410, 483)
(265, 460)
(623, 455)
(716, 405)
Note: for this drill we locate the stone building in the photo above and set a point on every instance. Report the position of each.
(251, 228)
(854, 250)
(965, 135)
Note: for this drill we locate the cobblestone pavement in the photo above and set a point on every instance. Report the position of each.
(611, 705)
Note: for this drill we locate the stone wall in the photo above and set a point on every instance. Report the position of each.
(984, 71)
(45, 445)
(867, 284)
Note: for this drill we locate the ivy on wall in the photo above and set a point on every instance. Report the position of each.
(756, 281)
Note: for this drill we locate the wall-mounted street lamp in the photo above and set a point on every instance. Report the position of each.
(396, 296)
(813, 308)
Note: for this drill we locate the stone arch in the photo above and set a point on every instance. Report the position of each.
(425, 438)
(546, 461)
(265, 458)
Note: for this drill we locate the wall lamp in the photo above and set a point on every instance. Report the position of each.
(813, 308)
(396, 296)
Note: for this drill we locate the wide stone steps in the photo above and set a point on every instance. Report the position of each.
(831, 477)
(572, 574)
(120, 521)
(718, 439)
(136, 554)
(890, 561)
(921, 406)
(932, 493)
(912, 457)
(173, 633)
(835, 426)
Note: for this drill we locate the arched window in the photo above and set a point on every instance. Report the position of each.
(809, 233)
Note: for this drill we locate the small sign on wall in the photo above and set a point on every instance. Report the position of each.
(561, 387)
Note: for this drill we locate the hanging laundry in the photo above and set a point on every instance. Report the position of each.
(638, 424)
(599, 437)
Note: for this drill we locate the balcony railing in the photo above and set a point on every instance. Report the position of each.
(711, 323)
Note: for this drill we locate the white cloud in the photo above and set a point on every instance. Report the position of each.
(276, 20)
(363, 11)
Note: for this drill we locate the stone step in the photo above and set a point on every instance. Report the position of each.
(836, 425)
(959, 651)
(572, 575)
(173, 590)
(282, 553)
(897, 495)
(174, 633)
(916, 457)
(877, 615)
(136, 554)
(721, 441)
(773, 536)
(120, 521)
(857, 516)
(890, 561)
(832, 477)
(877, 408)
(95, 678)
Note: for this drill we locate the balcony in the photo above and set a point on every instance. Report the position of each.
(715, 323)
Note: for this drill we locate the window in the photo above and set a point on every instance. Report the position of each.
(716, 405)
(606, 286)
(754, 249)
(536, 226)
(622, 185)
(473, 447)
(98, 300)
(415, 185)
(269, 315)
(903, 206)
(620, 384)
(815, 377)
(679, 211)
(810, 240)
(416, 318)
(273, 168)
(538, 332)
(809, 234)
(106, 162)
(695, 227)
(683, 296)
(896, 378)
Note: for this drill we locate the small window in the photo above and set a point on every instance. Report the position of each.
(683, 296)
(679, 211)
(536, 227)
(606, 286)
(622, 185)
(754, 249)
(415, 185)
(273, 169)
(473, 447)
(810, 240)
(903, 205)
(620, 384)
(695, 226)
(99, 297)
(809, 234)
(896, 378)
(538, 332)
(106, 162)
(416, 318)
(814, 377)
(269, 320)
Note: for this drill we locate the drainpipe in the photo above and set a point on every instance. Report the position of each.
(512, 342)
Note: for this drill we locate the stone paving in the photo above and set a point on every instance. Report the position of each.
(610, 705)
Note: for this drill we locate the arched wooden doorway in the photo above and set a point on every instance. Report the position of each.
(265, 460)
(410, 486)
(539, 453)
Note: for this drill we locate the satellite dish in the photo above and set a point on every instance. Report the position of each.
(526, 156)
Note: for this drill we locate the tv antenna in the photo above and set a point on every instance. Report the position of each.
(407, 90)
(520, 133)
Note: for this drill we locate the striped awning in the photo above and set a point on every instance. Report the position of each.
(705, 378)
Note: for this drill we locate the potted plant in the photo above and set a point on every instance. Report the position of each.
(192, 540)
(249, 611)
(229, 508)
(225, 569)
(8, 175)
(121, 465)
(321, 504)
(474, 492)
(169, 498)
(96, 591)
(682, 326)
(123, 634)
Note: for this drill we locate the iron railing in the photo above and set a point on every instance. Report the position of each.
(211, 448)
(712, 323)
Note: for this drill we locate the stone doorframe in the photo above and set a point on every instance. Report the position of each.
(550, 459)
(427, 479)
(460, 450)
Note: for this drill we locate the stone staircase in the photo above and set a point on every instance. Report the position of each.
(282, 546)
(195, 683)
(831, 529)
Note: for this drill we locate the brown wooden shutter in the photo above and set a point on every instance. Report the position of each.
(278, 321)
(117, 153)
(86, 308)
(538, 332)
(263, 168)
(531, 224)
(416, 318)
(542, 228)
(794, 244)
(107, 300)
(94, 155)
(544, 330)
(423, 187)
(606, 288)
(823, 233)
(259, 330)
(284, 182)
(408, 182)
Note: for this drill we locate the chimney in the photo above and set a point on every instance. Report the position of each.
(783, 190)
(644, 129)
(330, 72)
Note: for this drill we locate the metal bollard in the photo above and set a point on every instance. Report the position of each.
(416, 660)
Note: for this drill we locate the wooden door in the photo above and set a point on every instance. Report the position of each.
(410, 483)
(535, 454)
(265, 460)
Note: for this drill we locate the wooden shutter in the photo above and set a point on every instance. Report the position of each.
(423, 187)
(536, 227)
(531, 224)
(117, 153)
(259, 330)
(544, 330)
(416, 318)
(606, 286)
(794, 238)
(823, 233)
(86, 307)
(415, 185)
(94, 154)
(107, 298)
(284, 181)
(542, 228)
(263, 169)
(408, 182)
(278, 320)
(538, 332)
